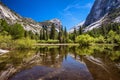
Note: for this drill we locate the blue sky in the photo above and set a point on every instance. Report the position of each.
(70, 12)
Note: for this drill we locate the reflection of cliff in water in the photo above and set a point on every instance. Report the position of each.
(97, 69)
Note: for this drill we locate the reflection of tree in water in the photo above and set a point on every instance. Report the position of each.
(53, 57)
(84, 50)
(103, 51)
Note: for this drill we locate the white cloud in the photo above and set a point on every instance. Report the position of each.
(71, 6)
(88, 5)
(77, 6)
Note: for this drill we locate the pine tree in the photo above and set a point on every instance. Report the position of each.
(52, 33)
(41, 35)
(74, 34)
(60, 35)
(104, 31)
(26, 34)
(36, 36)
(47, 36)
(4, 26)
(65, 35)
(44, 34)
(80, 30)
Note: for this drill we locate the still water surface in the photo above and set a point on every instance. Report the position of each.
(62, 63)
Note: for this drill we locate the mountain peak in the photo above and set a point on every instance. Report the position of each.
(56, 21)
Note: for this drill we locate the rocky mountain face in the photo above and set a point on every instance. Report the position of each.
(76, 27)
(103, 12)
(48, 23)
(30, 25)
(11, 17)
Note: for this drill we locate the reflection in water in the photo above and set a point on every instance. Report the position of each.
(62, 63)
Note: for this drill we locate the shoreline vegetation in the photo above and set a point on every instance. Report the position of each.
(14, 36)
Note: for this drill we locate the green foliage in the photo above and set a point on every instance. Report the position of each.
(60, 35)
(53, 41)
(74, 34)
(84, 50)
(26, 34)
(104, 30)
(52, 34)
(115, 55)
(111, 36)
(3, 25)
(12, 36)
(44, 34)
(69, 41)
(65, 35)
(17, 31)
(117, 38)
(80, 30)
(109, 33)
(47, 34)
(48, 41)
(4, 33)
(84, 40)
(100, 39)
(25, 43)
(6, 42)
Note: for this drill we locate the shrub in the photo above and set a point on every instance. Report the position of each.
(111, 36)
(117, 39)
(52, 41)
(48, 41)
(84, 40)
(69, 41)
(100, 39)
(25, 43)
(6, 42)
(41, 41)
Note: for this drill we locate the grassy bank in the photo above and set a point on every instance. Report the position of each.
(6, 42)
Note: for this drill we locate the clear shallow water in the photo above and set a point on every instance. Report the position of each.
(62, 63)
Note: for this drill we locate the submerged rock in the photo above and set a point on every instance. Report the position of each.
(3, 51)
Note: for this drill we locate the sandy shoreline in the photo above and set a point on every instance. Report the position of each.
(56, 44)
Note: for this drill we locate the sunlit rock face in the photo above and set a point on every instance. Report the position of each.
(100, 8)
(56, 21)
(11, 17)
(103, 10)
(76, 27)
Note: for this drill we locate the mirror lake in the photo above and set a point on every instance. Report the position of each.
(98, 62)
